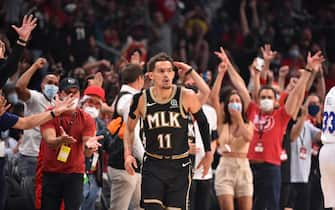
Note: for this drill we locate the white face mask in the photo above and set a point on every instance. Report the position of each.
(92, 111)
(266, 105)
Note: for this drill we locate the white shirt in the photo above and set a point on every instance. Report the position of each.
(37, 103)
(122, 108)
(328, 126)
(212, 119)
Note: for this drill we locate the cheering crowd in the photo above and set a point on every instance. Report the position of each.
(165, 104)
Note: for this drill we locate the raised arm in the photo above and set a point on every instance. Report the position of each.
(204, 90)
(297, 127)
(321, 85)
(135, 112)
(9, 67)
(268, 56)
(244, 20)
(214, 96)
(283, 71)
(22, 83)
(37, 119)
(235, 78)
(296, 96)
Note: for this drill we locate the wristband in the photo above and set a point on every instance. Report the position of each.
(52, 113)
(189, 71)
(21, 40)
(21, 43)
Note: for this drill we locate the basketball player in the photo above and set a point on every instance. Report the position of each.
(166, 171)
(327, 153)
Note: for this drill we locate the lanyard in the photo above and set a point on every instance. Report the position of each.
(301, 138)
(69, 127)
(261, 126)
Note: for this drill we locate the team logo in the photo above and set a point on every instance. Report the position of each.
(174, 103)
(263, 124)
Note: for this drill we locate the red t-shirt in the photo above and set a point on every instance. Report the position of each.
(269, 132)
(83, 125)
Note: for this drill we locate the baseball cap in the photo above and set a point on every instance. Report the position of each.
(96, 91)
(68, 83)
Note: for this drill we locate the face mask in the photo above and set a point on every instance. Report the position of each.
(92, 111)
(12, 98)
(313, 110)
(235, 106)
(50, 91)
(266, 105)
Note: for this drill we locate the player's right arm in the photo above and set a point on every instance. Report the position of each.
(135, 112)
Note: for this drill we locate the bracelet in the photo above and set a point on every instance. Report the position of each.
(189, 71)
(309, 70)
(52, 113)
(21, 43)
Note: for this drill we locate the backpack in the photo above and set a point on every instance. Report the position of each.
(114, 144)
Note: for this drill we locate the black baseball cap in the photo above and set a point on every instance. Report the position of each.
(68, 83)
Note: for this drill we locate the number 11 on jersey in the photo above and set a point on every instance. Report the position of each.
(164, 141)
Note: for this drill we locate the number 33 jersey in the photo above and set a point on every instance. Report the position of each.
(165, 124)
(328, 126)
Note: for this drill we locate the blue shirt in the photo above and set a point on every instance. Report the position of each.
(8, 120)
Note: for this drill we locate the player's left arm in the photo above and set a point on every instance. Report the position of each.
(193, 105)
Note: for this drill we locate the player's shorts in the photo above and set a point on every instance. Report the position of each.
(327, 170)
(165, 183)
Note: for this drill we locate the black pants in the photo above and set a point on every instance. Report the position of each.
(267, 183)
(201, 194)
(299, 196)
(57, 187)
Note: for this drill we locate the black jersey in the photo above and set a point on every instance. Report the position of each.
(165, 124)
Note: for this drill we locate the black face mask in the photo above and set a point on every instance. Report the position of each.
(313, 110)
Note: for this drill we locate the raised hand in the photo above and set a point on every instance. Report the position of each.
(65, 105)
(65, 138)
(28, 25)
(3, 106)
(136, 59)
(223, 57)
(39, 63)
(222, 68)
(314, 62)
(268, 54)
(98, 80)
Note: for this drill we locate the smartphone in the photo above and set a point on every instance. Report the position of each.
(259, 64)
